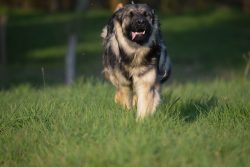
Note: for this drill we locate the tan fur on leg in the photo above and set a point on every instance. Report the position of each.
(124, 96)
(148, 100)
(118, 97)
(147, 91)
(135, 99)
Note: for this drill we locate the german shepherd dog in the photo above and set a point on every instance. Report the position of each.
(135, 58)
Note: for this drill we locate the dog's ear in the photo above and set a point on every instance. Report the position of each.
(153, 12)
(119, 14)
(154, 17)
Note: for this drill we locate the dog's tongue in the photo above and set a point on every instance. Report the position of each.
(134, 34)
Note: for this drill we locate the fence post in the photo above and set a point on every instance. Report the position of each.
(70, 59)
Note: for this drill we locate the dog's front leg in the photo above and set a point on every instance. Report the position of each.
(147, 91)
(124, 96)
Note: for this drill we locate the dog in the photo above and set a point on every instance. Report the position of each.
(135, 58)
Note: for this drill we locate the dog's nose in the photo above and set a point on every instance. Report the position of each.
(140, 21)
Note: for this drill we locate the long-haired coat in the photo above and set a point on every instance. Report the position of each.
(135, 58)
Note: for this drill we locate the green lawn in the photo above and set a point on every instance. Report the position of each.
(203, 119)
(197, 124)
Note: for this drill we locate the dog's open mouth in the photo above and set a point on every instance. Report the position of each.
(137, 33)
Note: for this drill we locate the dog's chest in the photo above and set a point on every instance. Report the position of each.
(139, 56)
(140, 61)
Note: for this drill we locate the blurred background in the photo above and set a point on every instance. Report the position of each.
(55, 42)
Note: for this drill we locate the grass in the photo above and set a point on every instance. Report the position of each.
(197, 124)
(203, 119)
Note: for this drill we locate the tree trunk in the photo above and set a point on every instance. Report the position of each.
(26, 4)
(170, 5)
(3, 22)
(246, 6)
(82, 5)
(112, 4)
(54, 5)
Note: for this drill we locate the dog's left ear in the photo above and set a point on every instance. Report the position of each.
(118, 14)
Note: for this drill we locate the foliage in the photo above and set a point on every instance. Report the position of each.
(166, 5)
(202, 45)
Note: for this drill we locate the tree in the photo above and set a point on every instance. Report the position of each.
(246, 6)
(3, 22)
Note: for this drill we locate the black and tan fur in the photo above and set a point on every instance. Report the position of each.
(135, 57)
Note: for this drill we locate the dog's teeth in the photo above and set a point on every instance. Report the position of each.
(134, 34)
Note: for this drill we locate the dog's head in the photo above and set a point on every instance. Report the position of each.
(137, 22)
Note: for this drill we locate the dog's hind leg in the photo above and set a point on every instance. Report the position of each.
(124, 96)
(147, 91)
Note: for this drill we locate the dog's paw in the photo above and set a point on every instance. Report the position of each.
(122, 99)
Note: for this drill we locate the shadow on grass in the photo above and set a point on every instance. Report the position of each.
(191, 110)
(195, 108)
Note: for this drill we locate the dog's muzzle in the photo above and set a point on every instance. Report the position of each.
(139, 28)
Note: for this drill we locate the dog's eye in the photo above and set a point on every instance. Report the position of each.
(145, 14)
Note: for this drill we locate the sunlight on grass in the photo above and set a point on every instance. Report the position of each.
(89, 47)
(59, 52)
(38, 18)
(97, 13)
(53, 52)
(190, 22)
(54, 18)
